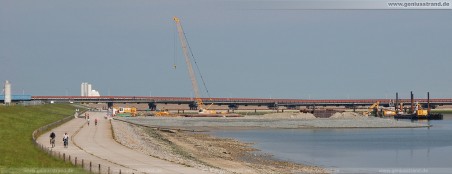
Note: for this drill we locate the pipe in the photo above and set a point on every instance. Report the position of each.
(412, 102)
(428, 103)
(396, 102)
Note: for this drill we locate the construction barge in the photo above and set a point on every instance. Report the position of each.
(417, 117)
(417, 112)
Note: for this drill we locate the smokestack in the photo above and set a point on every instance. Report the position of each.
(412, 102)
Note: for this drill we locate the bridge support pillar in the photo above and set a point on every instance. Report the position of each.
(292, 107)
(273, 106)
(193, 106)
(152, 106)
(110, 104)
(233, 107)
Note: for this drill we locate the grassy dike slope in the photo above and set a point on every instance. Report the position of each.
(18, 153)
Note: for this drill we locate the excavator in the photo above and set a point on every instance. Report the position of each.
(377, 110)
(194, 82)
(372, 108)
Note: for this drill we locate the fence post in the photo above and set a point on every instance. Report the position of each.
(64, 157)
(70, 159)
(90, 165)
(99, 168)
(119, 171)
(83, 164)
(108, 170)
(75, 161)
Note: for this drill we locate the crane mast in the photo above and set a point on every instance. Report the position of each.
(191, 73)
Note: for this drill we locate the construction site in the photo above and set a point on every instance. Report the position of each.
(204, 106)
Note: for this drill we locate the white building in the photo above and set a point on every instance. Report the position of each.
(94, 93)
(82, 91)
(7, 93)
(86, 90)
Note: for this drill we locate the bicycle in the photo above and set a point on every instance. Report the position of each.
(65, 142)
(52, 142)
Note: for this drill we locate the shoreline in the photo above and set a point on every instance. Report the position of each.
(186, 141)
(206, 124)
(203, 151)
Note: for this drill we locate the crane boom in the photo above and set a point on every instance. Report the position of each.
(191, 73)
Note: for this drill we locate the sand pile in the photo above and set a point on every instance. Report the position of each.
(339, 115)
(288, 115)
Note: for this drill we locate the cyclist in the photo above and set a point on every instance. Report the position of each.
(52, 139)
(65, 140)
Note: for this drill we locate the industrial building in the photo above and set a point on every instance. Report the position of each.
(86, 90)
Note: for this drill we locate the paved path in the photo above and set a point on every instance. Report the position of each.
(95, 143)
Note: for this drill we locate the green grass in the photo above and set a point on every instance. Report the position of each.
(442, 111)
(17, 151)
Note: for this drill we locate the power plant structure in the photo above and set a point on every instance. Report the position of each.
(86, 90)
(7, 90)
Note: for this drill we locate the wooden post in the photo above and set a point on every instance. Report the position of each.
(428, 103)
(119, 171)
(83, 164)
(108, 170)
(64, 157)
(70, 158)
(75, 161)
(99, 168)
(90, 166)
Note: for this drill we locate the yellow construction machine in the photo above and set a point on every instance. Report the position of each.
(374, 107)
(126, 111)
(419, 111)
(163, 113)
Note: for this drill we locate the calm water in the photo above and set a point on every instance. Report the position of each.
(393, 150)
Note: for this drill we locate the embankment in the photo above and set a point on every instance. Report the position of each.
(202, 151)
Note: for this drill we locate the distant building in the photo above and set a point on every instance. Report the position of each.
(94, 93)
(86, 90)
(7, 89)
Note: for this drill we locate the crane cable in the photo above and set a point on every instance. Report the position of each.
(175, 48)
(196, 63)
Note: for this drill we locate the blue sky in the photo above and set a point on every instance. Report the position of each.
(243, 48)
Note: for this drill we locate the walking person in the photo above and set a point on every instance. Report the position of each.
(88, 121)
(52, 139)
(66, 140)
